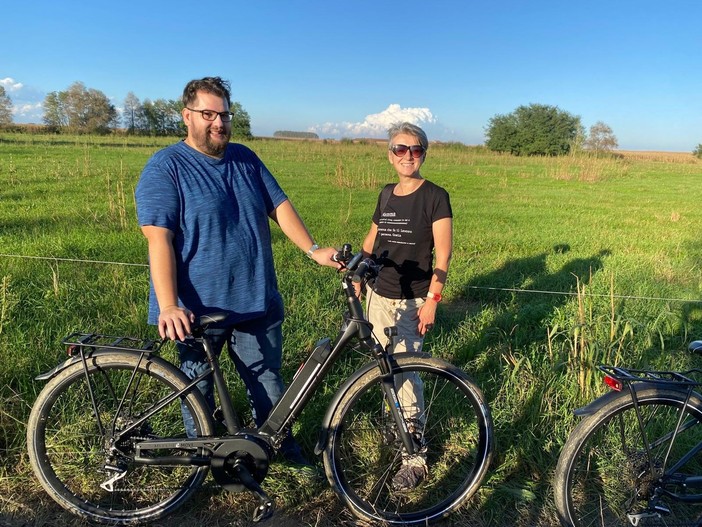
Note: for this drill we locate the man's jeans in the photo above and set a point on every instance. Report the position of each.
(255, 346)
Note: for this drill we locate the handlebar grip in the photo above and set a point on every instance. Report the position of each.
(361, 271)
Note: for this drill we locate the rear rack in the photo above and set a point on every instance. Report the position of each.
(94, 341)
(677, 378)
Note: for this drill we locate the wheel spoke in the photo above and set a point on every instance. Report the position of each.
(94, 473)
(365, 450)
(607, 477)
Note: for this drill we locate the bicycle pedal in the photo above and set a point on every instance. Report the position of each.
(264, 511)
(654, 512)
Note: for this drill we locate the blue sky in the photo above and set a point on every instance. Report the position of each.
(348, 69)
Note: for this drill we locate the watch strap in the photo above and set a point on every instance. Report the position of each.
(436, 297)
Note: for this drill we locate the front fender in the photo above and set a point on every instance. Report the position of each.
(324, 431)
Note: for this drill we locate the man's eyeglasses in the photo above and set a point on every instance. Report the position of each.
(211, 115)
(416, 151)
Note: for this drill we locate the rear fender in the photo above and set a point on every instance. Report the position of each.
(594, 406)
(47, 376)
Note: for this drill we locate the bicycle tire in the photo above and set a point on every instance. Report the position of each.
(603, 472)
(361, 455)
(69, 455)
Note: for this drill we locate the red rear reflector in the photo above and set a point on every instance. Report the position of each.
(613, 383)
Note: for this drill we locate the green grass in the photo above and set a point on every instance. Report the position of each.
(559, 264)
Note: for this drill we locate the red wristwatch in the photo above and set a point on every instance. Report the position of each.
(436, 297)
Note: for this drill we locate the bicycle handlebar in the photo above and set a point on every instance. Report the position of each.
(356, 265)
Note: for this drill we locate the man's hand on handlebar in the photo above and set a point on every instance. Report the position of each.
(174, 322)
(325, 256)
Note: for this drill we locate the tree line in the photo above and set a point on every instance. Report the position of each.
(83, 110)
(536, 129)
(539, 129)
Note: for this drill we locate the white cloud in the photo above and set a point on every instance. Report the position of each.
(377, 124)
(10, 84)
(27, 101)
(28, 109)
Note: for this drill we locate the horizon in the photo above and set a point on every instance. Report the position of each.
(323, 68)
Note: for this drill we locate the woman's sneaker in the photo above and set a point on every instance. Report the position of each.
(412, 472)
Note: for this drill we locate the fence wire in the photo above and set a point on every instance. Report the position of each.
(477, 287)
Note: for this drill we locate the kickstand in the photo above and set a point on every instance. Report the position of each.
(266, 507)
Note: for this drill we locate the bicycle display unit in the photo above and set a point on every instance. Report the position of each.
(635, 458)
(106, 437)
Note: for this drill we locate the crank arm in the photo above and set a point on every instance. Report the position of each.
(266, 507)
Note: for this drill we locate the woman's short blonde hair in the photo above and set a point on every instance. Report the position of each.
(409, 129)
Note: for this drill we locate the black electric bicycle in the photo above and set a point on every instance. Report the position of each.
(636, 457)
(106, 437)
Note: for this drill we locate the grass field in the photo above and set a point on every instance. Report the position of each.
(559, 264)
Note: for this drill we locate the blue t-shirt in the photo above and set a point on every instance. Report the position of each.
(218, 211)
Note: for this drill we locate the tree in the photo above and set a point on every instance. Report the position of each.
(601, 138)
(241, 122)
(89, 110)
(697, 152)
(80, 110)
(536, 129)
(162, 117)
(55, 115)
(133, 117)
(5, 108)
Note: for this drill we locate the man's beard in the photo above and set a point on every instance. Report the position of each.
(215, 148)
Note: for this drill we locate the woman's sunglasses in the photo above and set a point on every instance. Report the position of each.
(416, 151)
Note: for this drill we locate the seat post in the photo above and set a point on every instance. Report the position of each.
(231, 420)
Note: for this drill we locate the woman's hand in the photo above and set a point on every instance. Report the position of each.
(426, 315)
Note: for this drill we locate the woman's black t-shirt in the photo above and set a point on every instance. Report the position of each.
(404, 244)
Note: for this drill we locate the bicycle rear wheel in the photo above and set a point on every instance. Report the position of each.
(605, 477)
(71, 457)
(363, 451)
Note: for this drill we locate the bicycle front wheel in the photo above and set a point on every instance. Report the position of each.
(617, 470)
(363, 450)
(72, 446)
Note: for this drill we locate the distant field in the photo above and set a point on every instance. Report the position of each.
(671, 157)
(559, 264)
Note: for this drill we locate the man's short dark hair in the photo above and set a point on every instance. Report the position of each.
(214, 85)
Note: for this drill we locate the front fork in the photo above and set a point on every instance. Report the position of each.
(409, 441)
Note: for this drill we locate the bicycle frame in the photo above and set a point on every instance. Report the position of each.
(299, 392)
(106, 435)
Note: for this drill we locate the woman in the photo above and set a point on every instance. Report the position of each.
(411, 237)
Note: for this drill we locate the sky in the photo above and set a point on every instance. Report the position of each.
(349, 69)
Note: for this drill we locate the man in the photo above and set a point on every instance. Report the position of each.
(204, 206)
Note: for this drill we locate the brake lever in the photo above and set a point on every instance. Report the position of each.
(338, 259)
